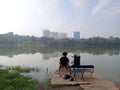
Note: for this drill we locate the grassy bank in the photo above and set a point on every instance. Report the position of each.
(15, 81)
(11, 79)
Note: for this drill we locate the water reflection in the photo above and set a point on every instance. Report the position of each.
(40, 76)
(51, 55)
(51, 52)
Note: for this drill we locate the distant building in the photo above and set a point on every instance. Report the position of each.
(76, 35)
(62, 35)
(46, 33)
(53, 34)
(56, 35)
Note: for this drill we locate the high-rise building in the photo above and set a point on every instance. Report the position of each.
(56, 35)
(46, 33)
(62, 35)
(76, 35)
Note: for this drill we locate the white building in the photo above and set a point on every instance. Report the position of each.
(62, 35)
(53, 34)
(47, 33)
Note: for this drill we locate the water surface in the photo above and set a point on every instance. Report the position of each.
(106, 62)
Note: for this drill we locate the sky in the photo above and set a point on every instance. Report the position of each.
(91, 18)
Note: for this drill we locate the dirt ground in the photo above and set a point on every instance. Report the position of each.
(77, 87)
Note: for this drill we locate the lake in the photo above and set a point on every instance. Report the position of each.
(106, 61)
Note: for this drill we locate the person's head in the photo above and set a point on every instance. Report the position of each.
(64, 53)
(75, 56)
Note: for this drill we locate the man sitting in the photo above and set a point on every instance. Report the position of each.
(64, 62)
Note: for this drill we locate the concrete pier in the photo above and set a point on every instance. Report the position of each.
(94, 82)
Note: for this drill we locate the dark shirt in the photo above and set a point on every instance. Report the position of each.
(77, 60)
(64, 61)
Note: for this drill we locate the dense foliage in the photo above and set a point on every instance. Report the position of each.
(10, 39)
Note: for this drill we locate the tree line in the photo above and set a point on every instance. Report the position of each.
(10, 39)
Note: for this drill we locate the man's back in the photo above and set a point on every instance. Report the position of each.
(64, 61)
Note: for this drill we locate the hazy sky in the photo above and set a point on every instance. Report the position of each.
(90, 17)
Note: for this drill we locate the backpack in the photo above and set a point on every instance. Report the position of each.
(67, 76)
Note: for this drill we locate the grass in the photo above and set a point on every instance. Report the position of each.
(11, 79)
(19, 69)
(15, 81)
